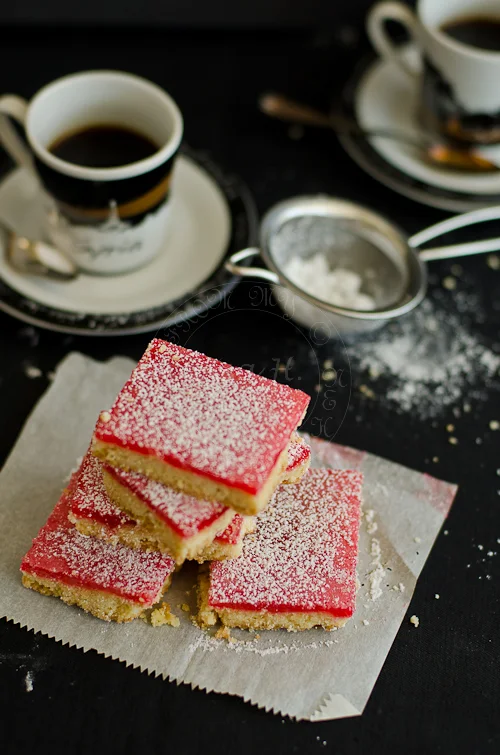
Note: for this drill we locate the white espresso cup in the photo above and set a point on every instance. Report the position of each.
(460, 92)
(107, 219)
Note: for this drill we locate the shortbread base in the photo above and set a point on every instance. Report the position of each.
(157, 530)
(134, 536)
(189, 482)
(217, 551)
(291, 621)
(290, 478)
(103, 605)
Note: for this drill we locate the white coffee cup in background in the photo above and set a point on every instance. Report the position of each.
(107, 219)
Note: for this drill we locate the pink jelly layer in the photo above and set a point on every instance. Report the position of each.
(60, 553)
(185, 515)
(204, 416)
(298, 453)
(232, 534)
(303, 554)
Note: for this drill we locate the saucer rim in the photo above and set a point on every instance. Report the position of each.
(367, 157)
(173, 312)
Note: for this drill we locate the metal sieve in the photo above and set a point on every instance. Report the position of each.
(354, 238)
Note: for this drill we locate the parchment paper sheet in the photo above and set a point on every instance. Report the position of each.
(312, 675)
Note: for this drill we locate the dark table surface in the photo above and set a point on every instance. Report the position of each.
(439, 689)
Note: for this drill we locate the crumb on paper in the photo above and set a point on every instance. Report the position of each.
(318, 388)
(450, 428)
(445, 532)
(467, 408)
(28, 681)
(32, 372)
(453, 440)
(435, 459)
(414, 620)
(494, 424)
(479, 441)
(224, 634)
(366, 622)
(493, 261)
(417, 539)
(491, 553)
(480, 547)
(328, 364)
(436, 596)
(450, 283)
(163, 615)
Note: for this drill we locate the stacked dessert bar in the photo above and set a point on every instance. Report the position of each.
(199, 460)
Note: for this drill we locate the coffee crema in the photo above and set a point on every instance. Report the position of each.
(103, 146)
(482, 32)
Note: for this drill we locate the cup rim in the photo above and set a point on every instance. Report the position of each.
(114, 173)
(453, 44)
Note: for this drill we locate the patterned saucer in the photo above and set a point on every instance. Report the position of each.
(213, 215)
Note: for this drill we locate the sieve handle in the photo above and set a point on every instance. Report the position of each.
(233, 266)
(457, 250)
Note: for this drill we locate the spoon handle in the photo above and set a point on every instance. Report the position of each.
(285, 109)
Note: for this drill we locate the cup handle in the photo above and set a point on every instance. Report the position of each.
(233, 266)
(383, 44)
(15, 107)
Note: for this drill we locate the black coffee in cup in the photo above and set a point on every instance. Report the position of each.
(476, 31)
(103, 146)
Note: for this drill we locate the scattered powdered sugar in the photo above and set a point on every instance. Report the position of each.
(428, 360)
(336, 286)
(377, 574)
(303, 553)
(207, 643)
(28, 681)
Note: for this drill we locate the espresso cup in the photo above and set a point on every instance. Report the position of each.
(107, 219)
(460, 92)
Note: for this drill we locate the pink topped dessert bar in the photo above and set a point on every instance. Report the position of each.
(146, 514)
(113, 582)
(298, 569)
(217, 432)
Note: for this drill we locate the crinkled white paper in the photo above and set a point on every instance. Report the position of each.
(312, 675)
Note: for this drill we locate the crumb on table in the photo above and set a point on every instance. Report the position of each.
(163, 615)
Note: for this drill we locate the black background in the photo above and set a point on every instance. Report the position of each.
(251, 14)
(439, 689)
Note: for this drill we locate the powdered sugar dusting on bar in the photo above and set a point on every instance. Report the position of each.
(298, 453)
(204, 415)
(61, 553)
(231, 535)
(183, 513)
(90, 500)
(303, 554)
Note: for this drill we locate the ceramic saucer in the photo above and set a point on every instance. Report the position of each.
(381, 95)
(213, 215)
